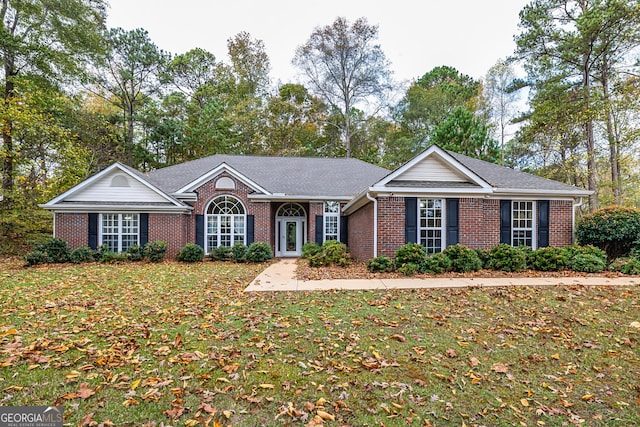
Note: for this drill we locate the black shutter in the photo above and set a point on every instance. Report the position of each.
(319, 229)
(250, 229)
(410, 220)
(344, 230)
(543, 223)
(452, 221)
(92, 240)
(505, 221)
(200, 230)
(144, 229)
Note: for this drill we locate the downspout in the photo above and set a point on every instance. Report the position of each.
(573, 220)
(375, 224)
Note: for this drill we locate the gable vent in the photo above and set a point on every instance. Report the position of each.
(225, 183)
(120, 181)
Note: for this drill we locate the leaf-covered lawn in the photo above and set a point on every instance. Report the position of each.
(181, 344)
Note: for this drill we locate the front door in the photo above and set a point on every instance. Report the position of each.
(291, 236)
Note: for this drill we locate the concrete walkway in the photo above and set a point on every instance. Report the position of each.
(280, 276)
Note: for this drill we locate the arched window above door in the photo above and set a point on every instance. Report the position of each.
(291, 210)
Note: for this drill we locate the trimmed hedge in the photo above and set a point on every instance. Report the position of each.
(612, 229)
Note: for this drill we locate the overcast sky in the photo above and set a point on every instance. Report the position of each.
(416, 35)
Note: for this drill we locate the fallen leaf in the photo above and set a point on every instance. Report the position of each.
(500, 368)
(635, 324)
(325, 415)
(84, 392)
(474, 362)
(451, 353)
(174, 413)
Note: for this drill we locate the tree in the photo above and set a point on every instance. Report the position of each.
(466, 133)
(580, 42)
(46, 40)
(250, 64)
(500, 99)
(130, 73)
(347, 68)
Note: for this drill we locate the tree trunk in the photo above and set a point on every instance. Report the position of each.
(7, 139)
(612, 138)
(591, 146)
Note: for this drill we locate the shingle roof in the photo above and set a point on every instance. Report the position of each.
(294, 176)
(502, 177)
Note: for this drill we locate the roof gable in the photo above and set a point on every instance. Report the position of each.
(116, 185)
(436, 167)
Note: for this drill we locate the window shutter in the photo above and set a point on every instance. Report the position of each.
(452, 221)
(319, 229)
(144, 229)
(543, 223)
(344, 230)
(250, 229)
(410, 220)
(200, 230)
(92, 240)
(505, 221)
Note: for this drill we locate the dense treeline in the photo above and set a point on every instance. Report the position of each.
(78, 96)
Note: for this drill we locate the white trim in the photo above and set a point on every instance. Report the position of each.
(85, 207)
(537, 192)
(119, 233)
(207, 216)
(534, 222)
(443, 219)
(375, 224)
(326, 215)
(89, 181)
(296, 198)
(433, 150)
(222, 167)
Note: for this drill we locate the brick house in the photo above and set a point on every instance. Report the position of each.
(437, 199)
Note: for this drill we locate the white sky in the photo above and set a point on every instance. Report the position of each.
(416, 35)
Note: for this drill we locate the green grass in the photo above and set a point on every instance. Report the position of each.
(182, 344)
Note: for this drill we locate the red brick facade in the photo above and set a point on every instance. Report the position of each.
(478, 222)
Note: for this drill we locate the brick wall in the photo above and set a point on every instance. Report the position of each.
(390, 224)
(170, 228)
(73, 228)
(479, 222)
(263, 223)
(361, 232)
(315, 208)
(560, 223)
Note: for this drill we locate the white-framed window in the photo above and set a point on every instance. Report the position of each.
(431, 224)
(119, 231)
(522, 223)
(331, 221)
(226, 222)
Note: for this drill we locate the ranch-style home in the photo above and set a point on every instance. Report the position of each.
(437, 199)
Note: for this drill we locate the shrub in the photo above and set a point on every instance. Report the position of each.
(309, 249)
(463, 259)
(613, 229)
(548, 259)
(36, 257)
(83, 254)
(259, 252)
(504, 257)
(408, 269)
(221, 253)
(410, 253)
(484, 256)
(435, 264)
(135, 253)
(332, 253)
(588, 263)
(191, 253)
(110, 257)
(239, 252)
(155, 251)
(381, 263)
(629, 265)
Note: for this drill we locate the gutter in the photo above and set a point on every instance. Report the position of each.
(573, 219)
(375, 224)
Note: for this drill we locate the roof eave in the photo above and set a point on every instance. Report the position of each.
(88, 207)
(296, 197)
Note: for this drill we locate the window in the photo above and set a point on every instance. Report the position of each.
(431, 225)
(522, 224)
(120, 231)
(331, 221)
(226, 221)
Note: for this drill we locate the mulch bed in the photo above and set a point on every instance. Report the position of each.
(358, 270)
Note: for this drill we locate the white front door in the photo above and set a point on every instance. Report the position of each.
(291, 232)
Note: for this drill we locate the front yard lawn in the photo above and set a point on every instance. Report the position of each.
(182, 344)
